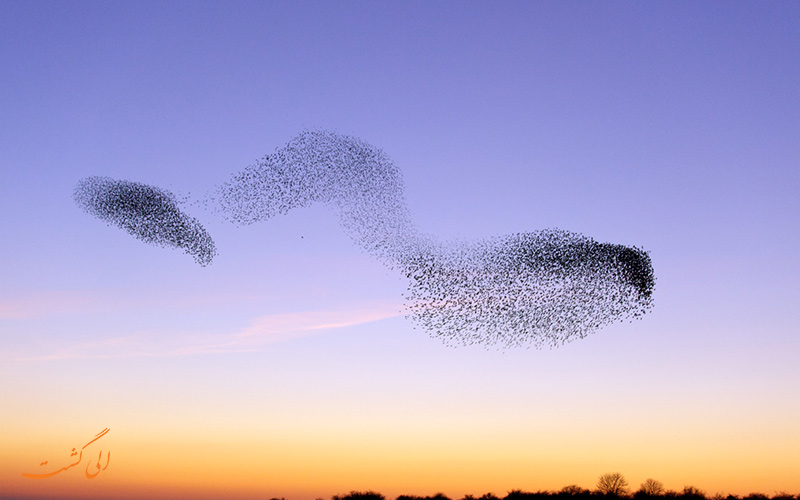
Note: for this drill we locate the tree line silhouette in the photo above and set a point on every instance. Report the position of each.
(609, 486)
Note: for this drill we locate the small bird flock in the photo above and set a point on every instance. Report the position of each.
(146, 212)
(533, 289)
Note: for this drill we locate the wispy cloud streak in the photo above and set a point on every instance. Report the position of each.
(261, 332)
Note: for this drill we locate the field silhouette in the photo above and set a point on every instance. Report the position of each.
(609, 486)
(572, 492)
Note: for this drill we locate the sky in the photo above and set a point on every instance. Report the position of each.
(288, 367)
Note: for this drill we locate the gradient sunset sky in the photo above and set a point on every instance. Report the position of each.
(287, 367)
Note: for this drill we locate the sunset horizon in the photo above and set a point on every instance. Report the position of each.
(297, 249)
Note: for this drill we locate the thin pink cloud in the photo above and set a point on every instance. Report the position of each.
(275, 324)
(262, 331)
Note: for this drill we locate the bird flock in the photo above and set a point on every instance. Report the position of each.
(542, 288)
(146, 212)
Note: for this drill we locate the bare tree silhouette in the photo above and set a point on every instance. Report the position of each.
(573, 490)
(650, 488)
(485, 496)
(489, 496)
(360, 495)
(693, 493)
(527, 495)
(612, 483)
(435, 496)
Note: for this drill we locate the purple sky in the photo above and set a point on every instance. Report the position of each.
(673, 126)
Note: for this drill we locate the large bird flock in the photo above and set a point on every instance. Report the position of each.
(537, 289)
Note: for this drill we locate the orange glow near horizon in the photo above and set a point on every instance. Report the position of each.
(244, 464)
